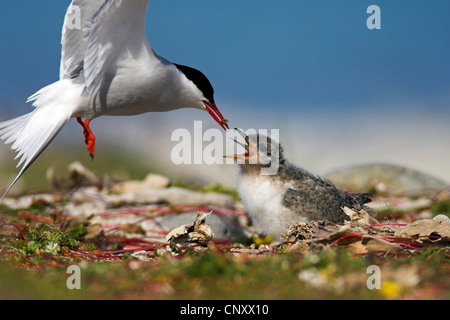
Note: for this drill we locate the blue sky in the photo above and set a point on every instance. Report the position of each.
(340, 93)
(310, 55)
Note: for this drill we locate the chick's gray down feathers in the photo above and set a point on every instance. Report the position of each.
(319, 199)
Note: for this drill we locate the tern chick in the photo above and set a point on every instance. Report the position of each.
(276, 199)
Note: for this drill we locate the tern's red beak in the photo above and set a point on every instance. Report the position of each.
(215, 113)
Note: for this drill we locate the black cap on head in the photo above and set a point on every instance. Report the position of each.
(200, 80)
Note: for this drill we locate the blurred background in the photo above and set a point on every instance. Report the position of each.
(340, 94)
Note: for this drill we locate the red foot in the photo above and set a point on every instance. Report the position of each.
(89, 137)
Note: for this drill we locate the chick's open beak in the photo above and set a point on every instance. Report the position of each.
(215, 113)
(250, 148)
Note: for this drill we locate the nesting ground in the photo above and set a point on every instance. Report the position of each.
(116, 233)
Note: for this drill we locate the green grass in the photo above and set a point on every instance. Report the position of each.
(35, 253)
(212, 275)
(36, 268)
(441, 208)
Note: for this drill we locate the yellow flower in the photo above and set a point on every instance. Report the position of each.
(390, 289)
(262, 240)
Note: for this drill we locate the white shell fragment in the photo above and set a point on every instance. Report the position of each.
(195, 232)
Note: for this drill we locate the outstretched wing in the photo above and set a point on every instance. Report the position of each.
(95, 32)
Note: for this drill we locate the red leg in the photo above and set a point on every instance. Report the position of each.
(86, 135)
(89, 137)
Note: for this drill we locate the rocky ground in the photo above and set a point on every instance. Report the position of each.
(152, 239)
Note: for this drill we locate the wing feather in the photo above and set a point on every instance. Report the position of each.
(95, 32)
(318, 199)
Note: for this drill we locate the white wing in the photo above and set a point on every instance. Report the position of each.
(95, 32)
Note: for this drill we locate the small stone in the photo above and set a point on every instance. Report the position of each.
(442, 218)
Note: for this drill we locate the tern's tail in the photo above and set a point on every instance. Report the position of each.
(31, 133)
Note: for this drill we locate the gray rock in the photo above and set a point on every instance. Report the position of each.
(384, 178)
